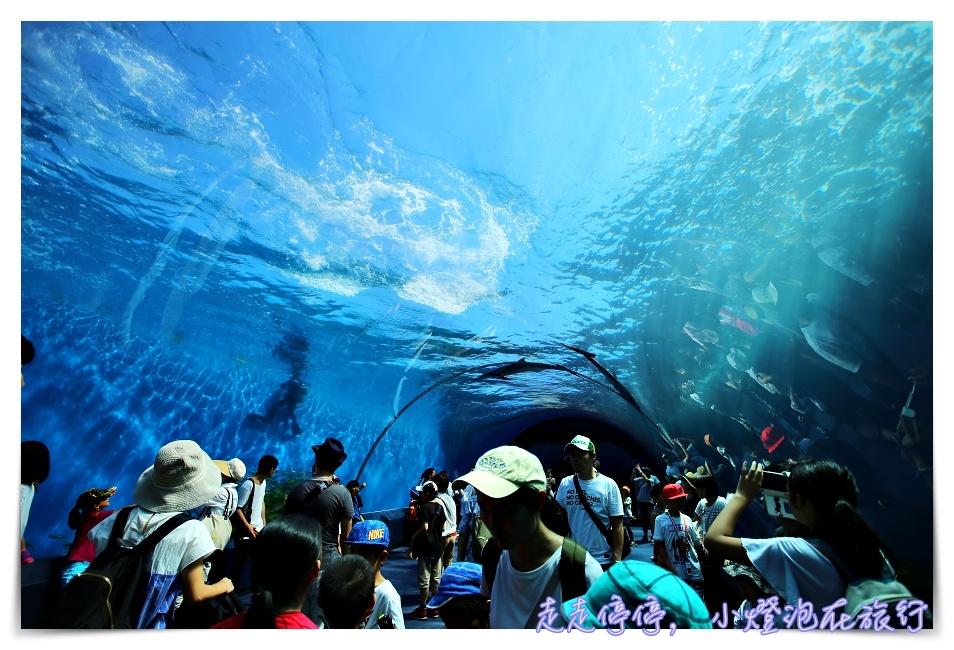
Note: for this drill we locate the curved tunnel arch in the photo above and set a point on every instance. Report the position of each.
(541, 413)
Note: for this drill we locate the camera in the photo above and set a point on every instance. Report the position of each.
(775, 494)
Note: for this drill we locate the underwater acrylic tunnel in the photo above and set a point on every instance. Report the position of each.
(430, 239)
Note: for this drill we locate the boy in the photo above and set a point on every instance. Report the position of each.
(458, 600)
(370, 539)
(346, 592)
(675, 540)
(512, 493)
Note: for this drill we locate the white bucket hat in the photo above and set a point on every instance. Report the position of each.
(183, 477)
(234, 468)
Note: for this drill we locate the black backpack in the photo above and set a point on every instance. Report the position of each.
(108, 595)
(239, 532)
(205, 614)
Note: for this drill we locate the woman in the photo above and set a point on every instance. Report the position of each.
(823, 496)
(215, 514)
(286, 559)
(90, 509)
(182, 478)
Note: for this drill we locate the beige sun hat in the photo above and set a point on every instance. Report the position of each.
(183, 477)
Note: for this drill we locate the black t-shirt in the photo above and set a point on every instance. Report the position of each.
(428, 544)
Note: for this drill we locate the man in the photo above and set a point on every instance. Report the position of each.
(427, 545)
(468, 512)
(511, 491)
(324, 498)
(254, 487)
(605, 501)
(247, 529)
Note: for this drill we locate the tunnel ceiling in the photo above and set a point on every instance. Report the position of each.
(380, 209)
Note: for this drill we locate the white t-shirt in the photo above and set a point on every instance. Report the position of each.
(628, 507)
(244, 490)
(795, 569)
(26, 501)
(679, 538)
(387, 601)
(223, 503)
(604, 498)
(180, 548)
(516, 594)
(707, 514)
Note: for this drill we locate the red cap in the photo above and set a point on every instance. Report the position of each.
(673, 491)
(771, 439)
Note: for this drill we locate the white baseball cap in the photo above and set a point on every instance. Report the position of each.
(502, 471)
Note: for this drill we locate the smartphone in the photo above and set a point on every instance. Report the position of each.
(774, 482)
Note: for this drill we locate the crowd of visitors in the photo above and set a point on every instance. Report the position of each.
(537, 549)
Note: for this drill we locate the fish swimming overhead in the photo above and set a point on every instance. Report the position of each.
(703, 337)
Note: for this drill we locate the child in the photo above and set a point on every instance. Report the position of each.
(90, 509)
(753, 587)
(628, 512)
(346, 592)
(354, 488)
(427, 545)
(458, 601)
(675, 541)
(370, 539)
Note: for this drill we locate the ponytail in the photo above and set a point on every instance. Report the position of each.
(261, 611)
(833, 492)
(76, 516)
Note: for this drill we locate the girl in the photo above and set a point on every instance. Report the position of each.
(90, 509)
(286, 559)
(823, 496)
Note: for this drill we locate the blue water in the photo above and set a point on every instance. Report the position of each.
(208, 208)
